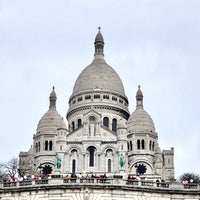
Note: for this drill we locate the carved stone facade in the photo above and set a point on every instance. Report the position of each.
(100, 130)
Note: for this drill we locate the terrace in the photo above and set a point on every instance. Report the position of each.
(57, 180)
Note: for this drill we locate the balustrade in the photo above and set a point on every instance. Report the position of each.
(96, 181)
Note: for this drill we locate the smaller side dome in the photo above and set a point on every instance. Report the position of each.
(140, 120)
(51, 120)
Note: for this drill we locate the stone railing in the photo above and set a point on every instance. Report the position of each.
(97, 181)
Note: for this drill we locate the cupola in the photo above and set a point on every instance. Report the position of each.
(140, 121)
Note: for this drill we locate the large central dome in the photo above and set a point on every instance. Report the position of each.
(98, 87)
(98, 76)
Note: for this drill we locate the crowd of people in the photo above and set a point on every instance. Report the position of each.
(89, 178)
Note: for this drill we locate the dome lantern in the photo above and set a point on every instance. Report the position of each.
(99, 43)
(139, 97)
(52, 99)
(140, 121)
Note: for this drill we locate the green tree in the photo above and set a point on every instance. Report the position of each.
(190, 177)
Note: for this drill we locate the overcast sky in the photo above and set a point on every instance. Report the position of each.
(154, 43)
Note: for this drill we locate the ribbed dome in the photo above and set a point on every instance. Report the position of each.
(140, 121)
(98, 76)
(51, 120)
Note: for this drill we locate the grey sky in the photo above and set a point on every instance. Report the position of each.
(154, 43)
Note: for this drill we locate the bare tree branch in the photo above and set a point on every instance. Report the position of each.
(9, 168)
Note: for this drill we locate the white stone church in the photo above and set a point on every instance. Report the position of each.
(101, 136)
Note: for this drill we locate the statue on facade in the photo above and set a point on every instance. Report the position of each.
(121, 161)
(58, 161)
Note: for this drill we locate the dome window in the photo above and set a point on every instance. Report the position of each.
(74, 101)
(97, 96)
(114, 98)
(106, 122)
(80, 99)
(87, 97)
(105, 96)
(120, 101)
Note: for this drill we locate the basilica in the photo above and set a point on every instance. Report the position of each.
(101, 136)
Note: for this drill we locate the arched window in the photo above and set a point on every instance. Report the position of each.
(106, 122)
(114, 125)
(46, 145)
(79, 123)
(150, 145)
(38, 146)
(128, 146)
(153, 145)
(74, 152)
(109, 165)
(91, 156)
(109, 152)
(143, 144)
(138, 144)
(131, 146)
(92, 126)
(50, 145)
(73, 166)
(73, 126)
